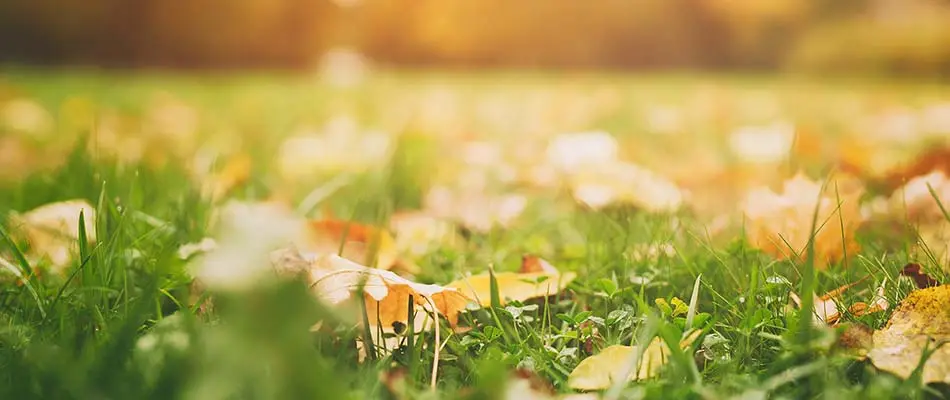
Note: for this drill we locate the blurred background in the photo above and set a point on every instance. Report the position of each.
(847, 36)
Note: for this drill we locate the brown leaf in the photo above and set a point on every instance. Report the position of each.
(532, 264)
(915, 271)
(934, 159)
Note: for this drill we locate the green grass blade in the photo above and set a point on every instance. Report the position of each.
(493, 287)
(943, 210)
(26, 283)
(17, 253)
(693, 305)
(410, 338)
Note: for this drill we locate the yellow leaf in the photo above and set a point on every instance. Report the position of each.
(474, 209)
(360, 242)
(920, 321)
(53, 230)
(418, 233)
(600, 371)
(516, 286)
(780, 224)
(335, 279)
(235, 172)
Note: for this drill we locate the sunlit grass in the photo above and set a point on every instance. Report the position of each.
(125, 321)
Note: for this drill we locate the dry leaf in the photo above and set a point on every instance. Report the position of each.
(600, 371)
(247, 233)
(516, 286)
(26, 116)
(53, 230)
(826, 305)
(936, 160)
(531, 264)
(915, 201)
(335, 279)
(920, 321)
(763, 144)
(780, 224)
(235, 172)
(856, 338)
(569, 152)
(526, 384)
(921, 279)
(342, 145)
(359, 242)
(625, 183)
(474, 210)
(418, 233)
(189, 250)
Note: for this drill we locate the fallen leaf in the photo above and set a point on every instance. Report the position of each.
(26, 116)
(246, 234)
(572, 151)
(52, 230)
(531, 264)
(475, 210)
(826, 305)
(625, 183)
(516, 286)
(360, 242)
(189, 250)
(526, 384)
(915, 202)
(763, 144)
(341, 145)
(235, 172)
(857, 339)
(920, 321)
(931, 161)
(780, 224)
(921, 279)
(600, 371)
(418, 233)
(335, 279)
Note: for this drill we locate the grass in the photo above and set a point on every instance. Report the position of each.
(121, 322)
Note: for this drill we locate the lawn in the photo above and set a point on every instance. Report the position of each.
(167, 160)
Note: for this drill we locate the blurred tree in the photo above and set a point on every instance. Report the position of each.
(803, 34)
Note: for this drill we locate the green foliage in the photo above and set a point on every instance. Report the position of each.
(122, 322)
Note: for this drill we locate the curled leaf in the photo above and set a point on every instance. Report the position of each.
(335, 279)
(921, 279)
